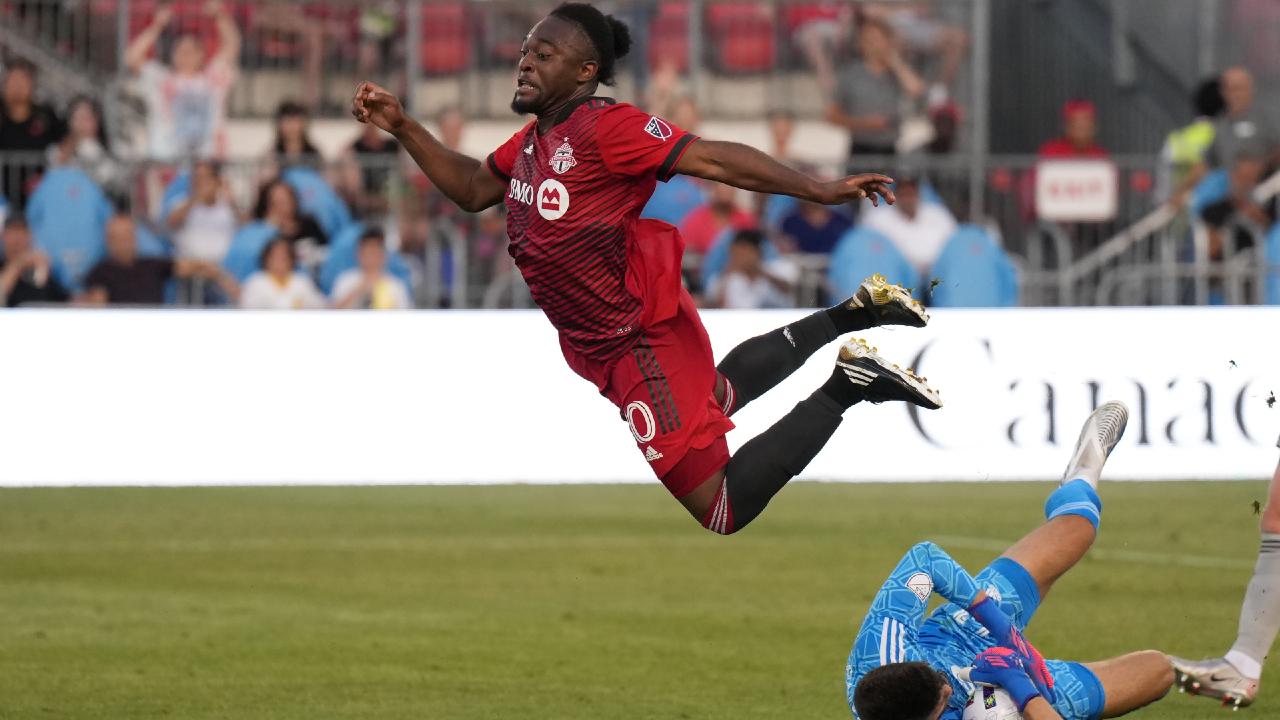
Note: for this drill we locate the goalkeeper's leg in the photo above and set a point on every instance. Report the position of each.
(1132, 681)
(1073, 511)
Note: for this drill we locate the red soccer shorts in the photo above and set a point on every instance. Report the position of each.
(665, 390)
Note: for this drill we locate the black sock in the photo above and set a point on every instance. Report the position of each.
(769, 460)
(841, 390)
(759, 364)
(849, 319)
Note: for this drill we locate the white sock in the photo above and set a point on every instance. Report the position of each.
(1260, 615)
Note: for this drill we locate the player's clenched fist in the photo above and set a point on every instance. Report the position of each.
(373, 104)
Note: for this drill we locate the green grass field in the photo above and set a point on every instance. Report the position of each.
(551, 602)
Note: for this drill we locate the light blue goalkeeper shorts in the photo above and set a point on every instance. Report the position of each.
(1079, 692)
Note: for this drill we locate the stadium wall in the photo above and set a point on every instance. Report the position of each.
(175, 398)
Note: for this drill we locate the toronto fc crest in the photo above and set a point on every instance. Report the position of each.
(563, 159)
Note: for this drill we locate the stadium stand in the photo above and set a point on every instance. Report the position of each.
(974, 272)
(863, 252)
(68, 213)
(737, 63)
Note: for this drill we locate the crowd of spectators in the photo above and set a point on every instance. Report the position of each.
(306, 231)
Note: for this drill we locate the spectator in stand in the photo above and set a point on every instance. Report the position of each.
(369, 164)
(278, 285)
(870, 91)
(186, 103)
(293, 145)
(703, 225)
(204, 222)
(1079, 134)
(1185, 147)
(813, 228)
(1243, 131)
(818, 28)
(685, 114)
(746, 283)
(24, 269)
(379, 29)
(278, 205)
(920, 33)
(289, 21)
(125, 278)
(1238, 212)
(452, 125)
(782, 126)
(25, 127)
(672, 201)
(370, 286)
(85, 146)
(919, 230)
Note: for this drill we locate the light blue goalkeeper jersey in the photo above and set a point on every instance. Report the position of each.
(895, 629)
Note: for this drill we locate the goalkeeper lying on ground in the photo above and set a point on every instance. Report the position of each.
(903, 669)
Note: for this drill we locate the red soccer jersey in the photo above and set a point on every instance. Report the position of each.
(573, 209)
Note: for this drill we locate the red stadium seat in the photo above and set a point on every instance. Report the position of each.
(669, 36)
(446, 40)
(744, 36)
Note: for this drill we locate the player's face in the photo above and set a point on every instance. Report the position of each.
(551, 67)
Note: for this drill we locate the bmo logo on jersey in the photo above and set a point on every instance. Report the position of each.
(552, 199)
(521, 192)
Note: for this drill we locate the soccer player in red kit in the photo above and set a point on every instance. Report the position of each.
(574, 182)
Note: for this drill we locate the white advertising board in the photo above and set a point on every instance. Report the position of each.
(1077, 190)
(151, 397)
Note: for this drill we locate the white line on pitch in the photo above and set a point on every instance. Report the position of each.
(1133, 556)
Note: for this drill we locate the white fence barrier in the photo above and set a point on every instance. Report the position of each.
(174, 398)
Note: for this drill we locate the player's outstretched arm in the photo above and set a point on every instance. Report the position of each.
(745, 167)
(462, 179)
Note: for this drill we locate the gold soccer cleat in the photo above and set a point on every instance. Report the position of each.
(888, 304)
(881, 380)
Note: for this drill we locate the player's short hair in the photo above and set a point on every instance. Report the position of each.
(21, 65)
(373, 236)
(754, 238)
(16, 221)
(898, 691)
(1208, 98)
(609, 36)
(266, 251)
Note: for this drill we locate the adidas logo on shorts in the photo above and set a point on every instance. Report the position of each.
(651, 455)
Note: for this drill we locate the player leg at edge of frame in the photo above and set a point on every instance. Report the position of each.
(740, 490)
(1233, 678)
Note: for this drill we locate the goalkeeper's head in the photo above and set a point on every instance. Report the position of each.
(902, 691)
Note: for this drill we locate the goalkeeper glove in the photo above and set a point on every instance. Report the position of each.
(1007, 635)
(1003, 668)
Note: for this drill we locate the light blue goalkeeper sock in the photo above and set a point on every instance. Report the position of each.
(1075, 498)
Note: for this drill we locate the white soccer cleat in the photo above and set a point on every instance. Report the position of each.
(881, 380)
(1214, 678)
(1098, 437)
